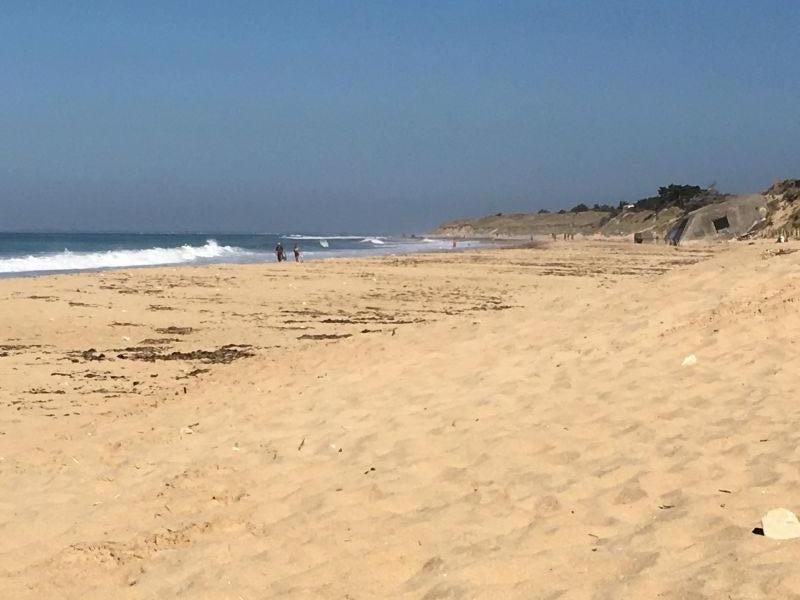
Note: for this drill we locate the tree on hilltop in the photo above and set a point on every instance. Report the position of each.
(679, 195)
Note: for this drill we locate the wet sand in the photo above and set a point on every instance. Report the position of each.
(477, 424)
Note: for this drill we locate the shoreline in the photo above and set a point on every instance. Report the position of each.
(471, 243)
(265, 258)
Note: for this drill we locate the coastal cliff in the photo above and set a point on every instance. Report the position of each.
(587, 223)
(650, 218)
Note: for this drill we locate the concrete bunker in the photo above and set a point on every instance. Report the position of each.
(720, 221)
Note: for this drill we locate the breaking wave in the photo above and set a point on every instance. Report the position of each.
(80, 261)
(375, 241)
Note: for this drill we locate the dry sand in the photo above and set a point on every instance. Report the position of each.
(498, 424)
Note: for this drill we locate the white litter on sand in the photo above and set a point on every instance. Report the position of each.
(780, 524)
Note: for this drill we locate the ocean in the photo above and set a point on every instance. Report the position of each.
(41, 253)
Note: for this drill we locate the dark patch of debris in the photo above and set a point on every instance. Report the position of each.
(194, 373)
(87, 355)
(172, 330)
(158, 341)
(224, 355)
(8, 349)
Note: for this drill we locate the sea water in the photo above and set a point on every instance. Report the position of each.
(40, 253)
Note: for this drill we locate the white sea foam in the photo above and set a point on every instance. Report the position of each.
(78, 261)
(375, 241)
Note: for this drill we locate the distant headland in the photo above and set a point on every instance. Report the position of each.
(679, 213)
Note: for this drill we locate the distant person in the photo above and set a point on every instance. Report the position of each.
(296, 253)
(279, 252)
(454, 243)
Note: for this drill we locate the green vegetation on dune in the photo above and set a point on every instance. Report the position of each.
(672, 195)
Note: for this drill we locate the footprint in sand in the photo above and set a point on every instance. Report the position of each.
(630, 493)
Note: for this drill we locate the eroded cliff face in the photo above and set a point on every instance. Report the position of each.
(624, 223)
(783, 200)
(523, 224)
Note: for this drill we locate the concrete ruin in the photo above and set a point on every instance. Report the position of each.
(726, 220)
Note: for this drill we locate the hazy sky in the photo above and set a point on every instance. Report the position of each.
(383, 116)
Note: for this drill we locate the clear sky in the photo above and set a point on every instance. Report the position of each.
(383, 116)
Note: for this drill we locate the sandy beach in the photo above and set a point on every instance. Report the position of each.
(477, 424)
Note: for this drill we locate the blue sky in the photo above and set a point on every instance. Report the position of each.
(382, 116)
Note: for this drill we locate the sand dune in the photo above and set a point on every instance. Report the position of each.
(493, 424)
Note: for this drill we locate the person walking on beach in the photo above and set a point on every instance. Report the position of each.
(280, 253)
(296, 253)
